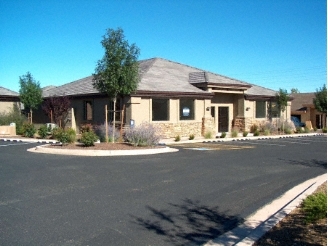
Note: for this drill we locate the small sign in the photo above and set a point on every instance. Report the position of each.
(185, 112)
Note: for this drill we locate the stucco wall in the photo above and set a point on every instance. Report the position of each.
(6, 107)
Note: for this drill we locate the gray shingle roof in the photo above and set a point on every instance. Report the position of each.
(256, 90)
(159, 75)
(7, 92)
(78, 87)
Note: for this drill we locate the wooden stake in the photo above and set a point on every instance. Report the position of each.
(106, 123)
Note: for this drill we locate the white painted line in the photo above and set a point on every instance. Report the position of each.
(5, 145)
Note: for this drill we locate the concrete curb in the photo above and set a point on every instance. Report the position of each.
(257, 224)
(85, 152)
(214, 140)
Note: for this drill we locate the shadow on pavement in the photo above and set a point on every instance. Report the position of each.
(308, 163)
(188, 223)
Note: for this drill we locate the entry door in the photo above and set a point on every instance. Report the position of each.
(223, 119)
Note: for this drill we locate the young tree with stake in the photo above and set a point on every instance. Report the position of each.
(117, 72)
(30, 93)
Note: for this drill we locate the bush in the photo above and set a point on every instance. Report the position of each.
(177, 138)
(315, 207)
(88, 138)
(245, 133)
(65, 136)
(142, 135)
(256, 133)
(234, 133)
(208, 135)
(86, 128)
(14, 116)
(28, 130)
(43, 131)
(268, 127)
(191, 136)
(223, 135)
(266, 132)
(254, 128)
(324, 130)
(100, 131)
(306, 130)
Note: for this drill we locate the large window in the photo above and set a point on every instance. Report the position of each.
(160, 109)
(274, 110)
(260, 109)
(187, 109)
(88, 110)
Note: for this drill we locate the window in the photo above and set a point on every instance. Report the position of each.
(274, 109)
(88, 110)
(260, 109)
(187, 109)
(160, 109)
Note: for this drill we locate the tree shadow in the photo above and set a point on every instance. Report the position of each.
(189, 223)
(307, 163)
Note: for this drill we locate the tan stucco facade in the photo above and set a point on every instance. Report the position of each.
(7, 106)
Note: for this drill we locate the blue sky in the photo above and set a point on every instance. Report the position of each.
(271, 43)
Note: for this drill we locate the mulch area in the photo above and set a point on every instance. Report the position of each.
(293, 230)
(101, 146)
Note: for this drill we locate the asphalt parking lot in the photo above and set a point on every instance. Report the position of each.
(182, 198)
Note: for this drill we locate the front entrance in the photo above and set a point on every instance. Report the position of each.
(223, 119)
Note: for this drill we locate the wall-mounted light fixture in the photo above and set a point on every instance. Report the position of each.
(208, 109)
(248, 108)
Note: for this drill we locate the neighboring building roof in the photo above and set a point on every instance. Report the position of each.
(79, 87)
(4, 92)
(301, 101)
(162, 77)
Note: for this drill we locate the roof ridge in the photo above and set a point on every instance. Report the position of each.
(1, 87)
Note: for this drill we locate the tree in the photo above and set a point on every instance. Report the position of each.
(30, 92)
(56, 108)
(282, 99)
(294, 90)
(320, 101)
(116, 74)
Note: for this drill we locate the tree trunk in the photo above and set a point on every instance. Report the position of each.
(31, 115)
(113, 133)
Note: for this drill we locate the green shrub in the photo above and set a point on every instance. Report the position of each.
(28, 130)
(223, 135)
(254, 128)
(177, 138)
(65, 136)
(191, 136)
(288, 131)
(245, 133)
(315, 207)
(306, 130)
(208, 135)
(257, 133)
(324, 130)
(266, 132)
(43, 131)
(234, 133)
(315, 129)
(14, 116)
(88, 138)
(142, 135)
